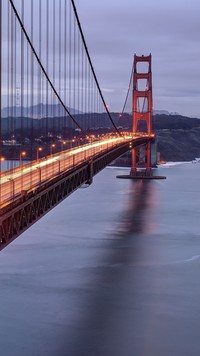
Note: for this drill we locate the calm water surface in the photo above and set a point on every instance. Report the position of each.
(112, 271)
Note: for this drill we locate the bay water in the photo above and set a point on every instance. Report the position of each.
(111, 271)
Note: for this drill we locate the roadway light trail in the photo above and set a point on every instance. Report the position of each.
(30, 176)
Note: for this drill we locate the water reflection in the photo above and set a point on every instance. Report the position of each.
(9, 164)
(134, 220)
(70, 289)
(108, 320)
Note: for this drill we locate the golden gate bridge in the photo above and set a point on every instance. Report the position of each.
(54, 119)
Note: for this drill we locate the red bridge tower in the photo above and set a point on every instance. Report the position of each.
(142, 114)
(142, 120)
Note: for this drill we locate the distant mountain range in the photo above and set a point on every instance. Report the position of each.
(37, 111)
(55, 110)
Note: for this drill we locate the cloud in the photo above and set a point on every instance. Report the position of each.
(169, 30)
(114, 31)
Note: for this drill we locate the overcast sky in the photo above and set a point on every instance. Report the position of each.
(169, 30)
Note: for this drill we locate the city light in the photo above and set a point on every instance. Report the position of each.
(38, 150)
(51, 148)
(22, 154)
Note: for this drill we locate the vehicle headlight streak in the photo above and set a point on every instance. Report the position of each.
(32, 175)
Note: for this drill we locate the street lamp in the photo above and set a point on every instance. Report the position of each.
(38, 150)
(51, 148)
(72, 141)
(62, 144)
(22, 154)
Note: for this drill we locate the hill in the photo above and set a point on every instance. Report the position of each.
(178, 137)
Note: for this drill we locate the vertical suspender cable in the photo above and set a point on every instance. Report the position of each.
(12, 84)
(91, 66)
(70, 58)
(27, 88)
(65, 69)
(8, 72)
(39, 82)
(0, 92)
(78, 72)
(47, 69)
(31, 87)
(22, 81)
(85, 90)
(59, 61)
(74, 65)
(82, 76)
(54, 53)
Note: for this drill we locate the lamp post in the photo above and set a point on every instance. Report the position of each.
(51, 148)
(62, 144)
(72, 141)
(22, 154)
(38, 151)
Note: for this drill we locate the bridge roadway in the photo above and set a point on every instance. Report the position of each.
(31, 190)
(29, 176)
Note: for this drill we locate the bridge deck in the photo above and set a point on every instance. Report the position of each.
(46, 183)
(31, 175)
(36, 173)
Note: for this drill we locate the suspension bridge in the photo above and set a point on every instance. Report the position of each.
(56, 129)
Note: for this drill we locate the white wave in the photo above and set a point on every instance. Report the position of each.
(172, 164)
(116, 167)
(193, 258)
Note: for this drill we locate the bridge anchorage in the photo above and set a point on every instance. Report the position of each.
(142, 103)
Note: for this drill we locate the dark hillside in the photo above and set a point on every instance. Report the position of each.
(176, 122)
(178, 137)
(178, 145)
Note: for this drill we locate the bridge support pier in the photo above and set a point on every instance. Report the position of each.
(141, 161)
